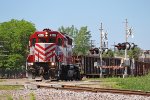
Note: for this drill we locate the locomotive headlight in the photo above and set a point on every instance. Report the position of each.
(52, 63)
(30, 64)
(46, 35)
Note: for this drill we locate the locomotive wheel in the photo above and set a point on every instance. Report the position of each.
(46, 75)
(41, 71)
(78, 76)
(31, 73)
(70, 74)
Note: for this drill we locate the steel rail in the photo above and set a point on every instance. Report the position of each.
(96, 90)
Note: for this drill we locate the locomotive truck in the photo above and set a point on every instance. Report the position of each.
(50, 56)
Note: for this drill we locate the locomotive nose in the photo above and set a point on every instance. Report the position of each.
(45, 52)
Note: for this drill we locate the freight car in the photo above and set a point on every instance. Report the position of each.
(50, 56)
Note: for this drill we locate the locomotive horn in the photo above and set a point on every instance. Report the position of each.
(47, 29)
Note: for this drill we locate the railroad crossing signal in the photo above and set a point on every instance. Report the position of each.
(133, 45)
(104, 50)
(91, 51)
(97, 50)
(125, 45)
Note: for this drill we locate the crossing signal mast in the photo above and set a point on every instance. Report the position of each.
(103, 44)
(126, 46)
(103, 47)
(128, 32)
(100, 54)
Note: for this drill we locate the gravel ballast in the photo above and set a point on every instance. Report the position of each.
(53, 94)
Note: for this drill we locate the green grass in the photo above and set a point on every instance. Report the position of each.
(32, 96)
(9, 97)
(131, 83)
(6, 97)
(10, 87)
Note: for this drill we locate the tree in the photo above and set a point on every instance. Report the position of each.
(120, 53)
(15, 34)
(82, 41)
(135, 53)
(109, 54)
(71, 31)
(81, 38)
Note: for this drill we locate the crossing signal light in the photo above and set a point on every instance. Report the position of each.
(125, 45)
(96, 50)
(118, 46)
(133, 46)
(128, 46)
(91, 51)
(105, 50)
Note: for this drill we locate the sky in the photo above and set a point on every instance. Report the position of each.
(91, 13)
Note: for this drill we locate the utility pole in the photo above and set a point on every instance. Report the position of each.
(92, 44)
(101, 46)
(114, 50)
(126, 38)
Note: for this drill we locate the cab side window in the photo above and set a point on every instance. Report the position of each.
(60, 42)
(33, 42)
(70, 41)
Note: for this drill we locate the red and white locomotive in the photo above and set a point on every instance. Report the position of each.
(50, 56)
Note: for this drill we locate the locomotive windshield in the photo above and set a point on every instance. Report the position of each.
(52, 38)
(41, 40)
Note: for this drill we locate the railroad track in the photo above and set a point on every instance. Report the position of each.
(96, 90)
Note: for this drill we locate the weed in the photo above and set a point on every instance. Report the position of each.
(10, 87)
(32, 96)
(9, 97)
(132, 83)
